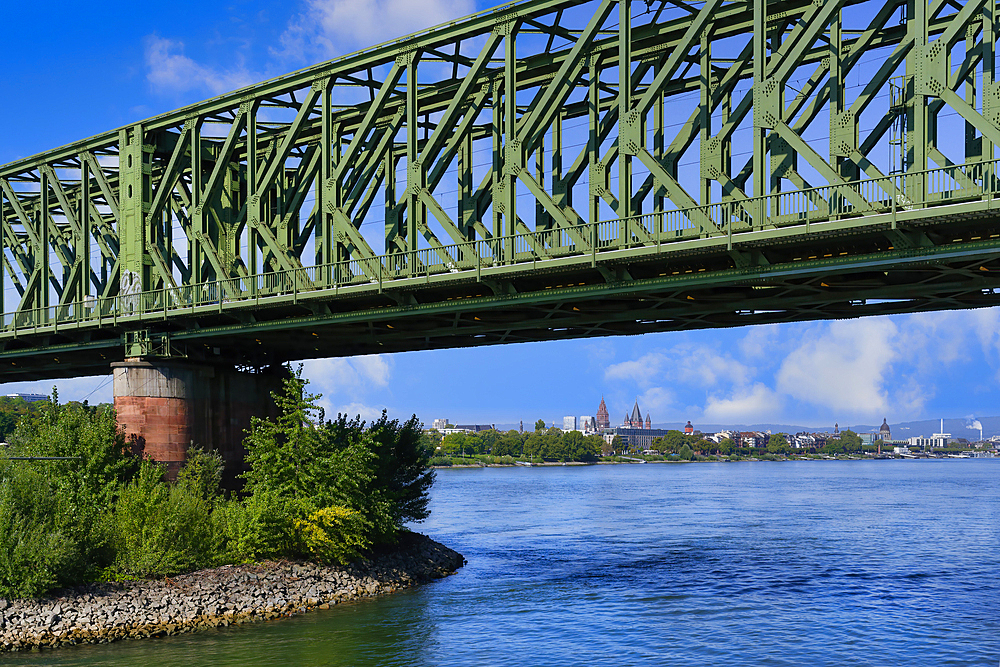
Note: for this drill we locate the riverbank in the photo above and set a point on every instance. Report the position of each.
(233, 594)
(712, 459)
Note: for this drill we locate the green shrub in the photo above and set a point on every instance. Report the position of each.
(36, 551)
(259, 527)
(440, 461)
(159, 529)
(334, 534)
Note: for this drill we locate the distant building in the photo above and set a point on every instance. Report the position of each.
(467, 428)
(29, 398)
(603, 418)
(883, 432)
(569, 423)
(937, 440)
(688, 429)
(635, 421)
(440, 424)
(587, 424)
(638, 439)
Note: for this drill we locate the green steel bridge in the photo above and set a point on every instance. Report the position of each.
(549, 169)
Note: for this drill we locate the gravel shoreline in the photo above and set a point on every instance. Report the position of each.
(232, 594)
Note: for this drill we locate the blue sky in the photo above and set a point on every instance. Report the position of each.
(89, 67)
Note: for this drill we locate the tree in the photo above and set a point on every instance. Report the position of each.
(778, 444)
(685, 453)
(509, 444)
(850, 441)
(380, 474)
(673, 441)
(726, 446)
(540, 425)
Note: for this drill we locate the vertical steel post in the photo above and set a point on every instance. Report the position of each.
(705, 197)
(836, 100)
(498, 180)
(415, 209)
(44, 243)
(989, 78)
(759, 72)
(195, 256)
(324, 226)
(253, 214)
(917, 115)
(83, 243)
(594, 144)
(512, 150)
(624, 114)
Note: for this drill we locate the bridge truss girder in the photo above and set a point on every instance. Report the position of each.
(574, 108)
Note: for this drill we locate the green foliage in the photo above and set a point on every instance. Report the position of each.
(202, 473)
(258, 527)
(159, 529)
(334, 534)
(832, 447)
(12, 410)
(323, 490)
(686, 454)
(540, 425)
(850, 441)
(382, 474)
(35, 547)
(778, 444)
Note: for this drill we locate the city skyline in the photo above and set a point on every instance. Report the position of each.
(853, 371)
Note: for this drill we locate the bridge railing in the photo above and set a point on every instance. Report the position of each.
(735, 216)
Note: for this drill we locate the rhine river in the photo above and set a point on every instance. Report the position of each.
(800, 563)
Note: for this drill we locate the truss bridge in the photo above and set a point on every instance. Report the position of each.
(545, 170)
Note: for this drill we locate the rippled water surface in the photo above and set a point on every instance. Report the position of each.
(803, 563)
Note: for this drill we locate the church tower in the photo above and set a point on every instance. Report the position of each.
(648, 424)
(603, 420)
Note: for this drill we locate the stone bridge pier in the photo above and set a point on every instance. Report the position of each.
(169, 405)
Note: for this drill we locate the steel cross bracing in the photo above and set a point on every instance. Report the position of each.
(544, 170)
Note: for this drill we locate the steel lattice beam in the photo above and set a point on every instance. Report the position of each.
(519, 175)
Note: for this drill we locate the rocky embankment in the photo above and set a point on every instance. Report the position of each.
(221, 596)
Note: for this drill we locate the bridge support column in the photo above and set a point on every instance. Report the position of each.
(170, 405)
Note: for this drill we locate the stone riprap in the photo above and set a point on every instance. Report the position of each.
(222, 596)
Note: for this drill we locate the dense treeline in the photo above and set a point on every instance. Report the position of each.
(323, 490)
(12, 410)
(687, 446)
(549, 444)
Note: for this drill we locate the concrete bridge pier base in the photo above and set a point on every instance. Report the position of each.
(169, 405)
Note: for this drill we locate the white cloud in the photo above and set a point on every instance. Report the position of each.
(348, 376)
(691, 364)
(170, 72)
(754, 404)
(659, 402)
(332, 27)
(367, 412)
(761, 341)
(845, 368)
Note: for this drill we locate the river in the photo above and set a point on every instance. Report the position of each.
(798, 563)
